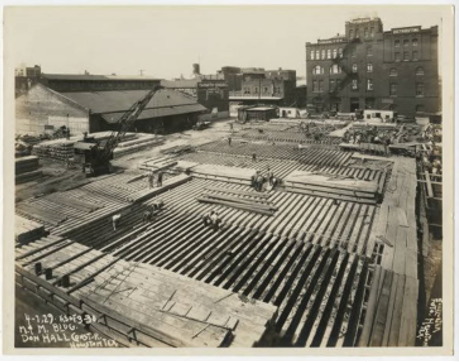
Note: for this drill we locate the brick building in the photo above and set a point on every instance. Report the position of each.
(250, 86)
(369, 68)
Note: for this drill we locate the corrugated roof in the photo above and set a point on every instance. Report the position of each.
(96, 77)
(119, 101)
(158, 112)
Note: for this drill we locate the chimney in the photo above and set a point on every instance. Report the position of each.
(196, 69)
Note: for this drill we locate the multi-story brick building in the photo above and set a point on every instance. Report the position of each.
(368, 68)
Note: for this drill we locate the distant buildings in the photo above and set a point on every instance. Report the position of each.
(250, 86)
(368, 68)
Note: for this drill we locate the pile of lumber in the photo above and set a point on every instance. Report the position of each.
(243, 200)
(136, 144)
(157, 164)
(177, 150)
(223, 173)
(27, 169)
(334, 186)
(27, 231)
(60, 149)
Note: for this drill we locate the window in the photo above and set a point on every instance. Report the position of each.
(406, 43)
(370, 84)
(312, 54)
(419, 89)
(369, 50)
(415, 56)
(317, 70)
(335, 53)
(335, 69)
(414, 42)
(317, 54)
(397, 43)
(406, 56)
(420, 71)
(332, 85)
(256, 90)
(370, 68)
(355, 84)
(246, 90)
(323, 53)
(393, 72)
(328, 53)
(419, 108)
(321, 85)
(397, 57)
(393, 89)
(340, 52)
(372, 32)
(365, 33)
(314, 86)
(354, 68)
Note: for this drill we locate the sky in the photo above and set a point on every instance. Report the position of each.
(165, 41)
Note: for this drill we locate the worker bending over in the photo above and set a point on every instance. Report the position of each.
(213, 220)
(115, 221)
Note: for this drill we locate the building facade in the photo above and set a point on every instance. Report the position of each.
(369, 68)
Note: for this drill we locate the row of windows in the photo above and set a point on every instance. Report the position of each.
(326, 54)
(336, 69)
(265, 90)
(366, 32)
(318, 86)
(406, 56)
(406, 43)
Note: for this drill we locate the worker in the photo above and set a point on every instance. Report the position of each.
(159, 181)
(270, 176)
(151, 179)
(229, 141)
(206, 218)
(231, 127)
(147, 216)
(259, 183)
(254, 157)
(215, 220)
(115, 220)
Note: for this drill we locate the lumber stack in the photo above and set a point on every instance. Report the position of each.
(27, 231)
(27, 169)
(158, 163)
(60, 149)
(177, 150)
(223, 173)
(138, 143)
(341, 188)
(243, 200)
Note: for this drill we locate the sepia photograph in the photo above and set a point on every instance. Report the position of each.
(263, 177)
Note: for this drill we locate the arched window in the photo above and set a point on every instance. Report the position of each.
(354, 68)
(393, 72)
(397, 43)
(370, 68)
(419, 89)
(340, 52)
(419, 71)
(406, 43)
(317, 70)
(414, 42)
(335, 69)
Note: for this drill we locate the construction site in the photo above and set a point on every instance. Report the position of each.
(278, 233)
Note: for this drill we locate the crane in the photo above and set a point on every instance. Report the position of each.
(96, 155)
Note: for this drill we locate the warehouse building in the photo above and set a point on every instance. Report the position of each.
(43, 110)
(369, 68)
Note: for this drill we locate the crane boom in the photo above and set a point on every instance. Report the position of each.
(128, 119)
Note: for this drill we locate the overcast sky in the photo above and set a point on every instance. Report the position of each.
(165, 41)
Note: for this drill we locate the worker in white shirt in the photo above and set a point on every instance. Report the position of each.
(115, 220)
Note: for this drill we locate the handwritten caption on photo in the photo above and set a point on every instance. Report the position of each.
(432, 323)
(51, 329)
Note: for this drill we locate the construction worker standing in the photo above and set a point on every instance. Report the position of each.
(270, 176)
(160, 179)
(150, 179)
(229, 141)
(115, 221)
